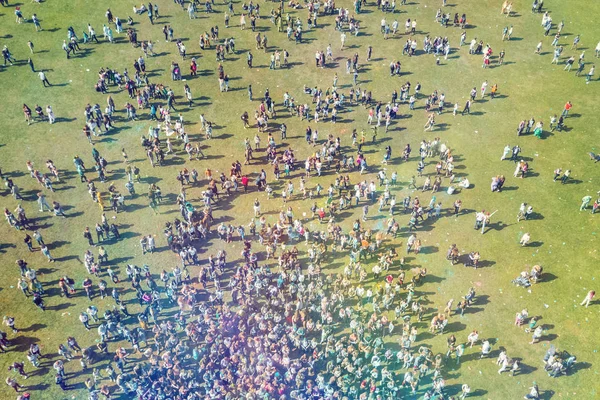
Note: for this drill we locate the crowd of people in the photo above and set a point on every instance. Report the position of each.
(278, 322)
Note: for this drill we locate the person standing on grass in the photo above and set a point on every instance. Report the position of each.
(472, 338)
(44, 79)
(596, 206)
(10, 323)
(585, 201)
(565, 176)
(29, 242)
(506, 152)
(66, 48)
(19, 368)
(566, 109)
(84, 318)
(538, 48)
(46, 252)
(537, 334)
(525, 239)
(38, 237)
(580, 67)
(36, 23)
(569, 63)
(51, 116)
(590, 74)
(42, 202)
(88, 235)
(30, 63)
(58, 211)
(465, 390)
(7, 56)
(588, 298)
(13, 384)
(534, 392)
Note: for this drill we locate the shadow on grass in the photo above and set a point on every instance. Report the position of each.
(34, 328)
(579, 367)
(548, 277)
(22, 343)
(61, 306)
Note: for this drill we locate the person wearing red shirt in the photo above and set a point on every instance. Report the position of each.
(568, 107)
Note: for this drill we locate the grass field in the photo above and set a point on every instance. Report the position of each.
(564, 239)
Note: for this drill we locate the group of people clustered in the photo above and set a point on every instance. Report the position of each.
(286, 329)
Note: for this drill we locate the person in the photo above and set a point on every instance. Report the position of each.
(567, 108)
(50, 112)
(585, 202)
(19, 368)
(10, 323)
(84, 318)
(537, 334)
(45, 251)
(507, 150)
(467, 108)
(42, 202)
(534, 393)
(565, 176)
(590, 74)
(472, 338)
(525, 238)
(595, 206)
(588, 298)
(13, 384)
(44, 79)
(88, 235)
(465, 390)
(29, 242)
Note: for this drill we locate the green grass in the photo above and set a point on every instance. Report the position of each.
(528, 83)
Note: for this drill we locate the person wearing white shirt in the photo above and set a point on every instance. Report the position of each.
(472, 338)
(51, 117)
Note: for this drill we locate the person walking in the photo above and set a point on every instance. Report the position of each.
(13, 384)
(467, 108)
